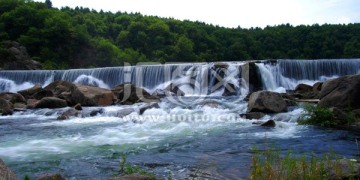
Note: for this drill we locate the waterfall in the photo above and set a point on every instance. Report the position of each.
(287, 74)
(192, 78)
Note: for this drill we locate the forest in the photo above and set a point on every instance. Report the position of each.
(82, 38)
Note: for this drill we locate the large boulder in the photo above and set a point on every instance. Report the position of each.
(6, 173)
(81, 94)
(267, 102)
(130, 94)
(251, 74)
(13, 97)
(92, 96)
(36, 92)
(6, 107)
(342, 92)
(51, 102)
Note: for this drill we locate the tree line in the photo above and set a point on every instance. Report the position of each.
(82, 37)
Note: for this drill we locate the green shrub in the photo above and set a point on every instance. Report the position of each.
(315, 115)
(126, 169)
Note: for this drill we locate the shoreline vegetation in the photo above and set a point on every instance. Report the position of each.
(83, 38)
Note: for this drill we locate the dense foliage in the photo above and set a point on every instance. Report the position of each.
(82, 37)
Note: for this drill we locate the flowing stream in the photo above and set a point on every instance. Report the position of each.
(201, 132)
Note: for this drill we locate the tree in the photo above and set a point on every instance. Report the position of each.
(48, 3)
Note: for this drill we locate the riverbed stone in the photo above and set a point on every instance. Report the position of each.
(51, 102)
(342, 92)
(6, 173)
(6, 107)
(130, 94)
(267, 102)
(269, 123)
(13, 97)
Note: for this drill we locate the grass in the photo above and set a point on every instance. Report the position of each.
(270, 164)
(126, 169)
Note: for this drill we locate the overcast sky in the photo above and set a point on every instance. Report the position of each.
(233, 13)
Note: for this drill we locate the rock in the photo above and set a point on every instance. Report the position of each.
(148, 106)
(230, 90)
(175, 89)
(68, 113)
(220, 65)
(78, 107)
(160, 93)
(253, 115)
(51, 102)
(13, 97)
(339, 115)
(58, 87)
(50, 177)
(31, 103)
(269, 123)
(41, 94)
(92, 96)
(356, 112)
(342, 92)
(6, 173)
(290, 102)
(27, 93)
(317, 86)
(124, 112)
(6, 107)
(301, 88)
(130, 94)
(19, 106)
(267, 102)
(96, 112)
(17, 58)
(82, 94)
(251, 74)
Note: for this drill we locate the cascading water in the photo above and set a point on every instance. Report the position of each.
(289, 73)
(193, 79)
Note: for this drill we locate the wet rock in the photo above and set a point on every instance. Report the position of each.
(251, 74)
(28, 93)
(6, 173)
(6, 107)
(301, 88)
(160, 93)
(267, 102)
(50, 177)
(96, 112)
(51, 102)
(41, 94)
(31, 103)
(78, 107)
(148, 106)
(175, 89)
(13, 97)
(253, 115)
(124, 112)
(220, 65)
(71, 112)
(269, 123)
(339, 115)
(317, 86)
(19, 106)
(130, 94)
(58, 87)
(342, 92)
(92, 96)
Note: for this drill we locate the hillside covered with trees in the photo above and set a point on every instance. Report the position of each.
(81, 37)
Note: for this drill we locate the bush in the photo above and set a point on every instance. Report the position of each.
(315, 115)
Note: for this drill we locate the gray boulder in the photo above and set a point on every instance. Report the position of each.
(267, 102)
(130, 94)
(6, 107)
(342, 92)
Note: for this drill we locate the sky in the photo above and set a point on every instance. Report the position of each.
(234, 13)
